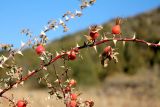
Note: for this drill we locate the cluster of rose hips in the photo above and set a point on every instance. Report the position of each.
(71, 54)
(72, 97)
(94, 30)
(93, 34)
(107, 52)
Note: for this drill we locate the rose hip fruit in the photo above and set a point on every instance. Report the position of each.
(72, 103)
(94, 35)
(21, 103)
(72, 55)
(72, 82)
(116, 29)
(107, 49)
(40, 49)
(73, 96)
(67, 89)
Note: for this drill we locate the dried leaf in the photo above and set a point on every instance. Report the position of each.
(88, 37)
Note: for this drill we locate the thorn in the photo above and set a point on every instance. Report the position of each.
(15, 86)
(102, 38)
(66, 18)
(77, 45)
(29, 72)
(62, 66)
(57, 53)
(95, 48)
(134, 36)
(42, 58)
(61, 22)
(105, 38)
(22, 83)
(56, 81)
(124, 43)
(1, 66)
(114, 35)
(43, 33)
(78, 13)
(149, 44)
(114, 41)
(22, 43)
(45, 68)
(19, 52)
(45, 27)
(4, 58)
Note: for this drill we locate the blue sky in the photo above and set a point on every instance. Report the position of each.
(34, 14)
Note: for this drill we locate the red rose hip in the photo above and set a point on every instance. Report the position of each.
(72, 82)
(94, 35)
(72, 55)
(40, 49)
(116, 29)
(73, 96)
(72, 103)
(67, 89)
(107, 49)
(21, 103)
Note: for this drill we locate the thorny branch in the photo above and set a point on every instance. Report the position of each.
(76, 49)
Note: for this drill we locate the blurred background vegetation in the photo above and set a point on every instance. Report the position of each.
(88, 71)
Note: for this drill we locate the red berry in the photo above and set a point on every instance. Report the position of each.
(67, 89)
(72, 55)
(21, 103)
(107, 49)
(116, 29)
(94, 35)
(72, 82)
(73, 96)
(40, 49)
(72, 103)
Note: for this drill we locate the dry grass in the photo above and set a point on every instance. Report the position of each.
(141, 90)
(39, 98)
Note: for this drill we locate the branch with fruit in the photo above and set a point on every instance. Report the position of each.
(107, 54)
(63, 87)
